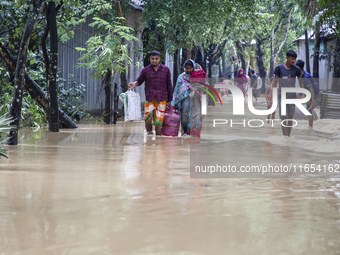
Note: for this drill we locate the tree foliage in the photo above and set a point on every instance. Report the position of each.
(105, 50)
(187, 23)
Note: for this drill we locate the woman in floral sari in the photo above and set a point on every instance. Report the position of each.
(191, 122)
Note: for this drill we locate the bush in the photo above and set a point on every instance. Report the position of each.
(4, 127)
(32, 114)
(71, 99)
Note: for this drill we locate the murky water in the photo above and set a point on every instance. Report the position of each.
(110, 190)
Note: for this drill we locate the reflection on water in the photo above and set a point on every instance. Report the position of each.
(110, 190)
(233, 141)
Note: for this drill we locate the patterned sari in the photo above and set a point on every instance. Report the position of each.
(191, 125)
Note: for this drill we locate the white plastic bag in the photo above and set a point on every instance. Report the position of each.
(132, 107)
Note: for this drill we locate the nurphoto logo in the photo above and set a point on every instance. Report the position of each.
(238, 106)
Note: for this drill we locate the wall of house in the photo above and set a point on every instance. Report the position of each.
(68, 61)
(325, 73)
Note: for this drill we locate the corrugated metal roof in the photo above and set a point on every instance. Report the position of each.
(310, 35)
(137, 7)
(325, 31)
(138, 2)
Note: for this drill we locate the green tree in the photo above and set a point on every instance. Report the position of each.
(199, 26)
(20, 40)
(106, 54)
(304, 12)
(330, 16)
(15, 111)
(51, 63)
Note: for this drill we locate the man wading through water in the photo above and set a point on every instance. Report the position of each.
(287, 73)
(158, 92)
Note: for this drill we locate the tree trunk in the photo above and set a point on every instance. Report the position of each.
(179, 68)
(123, 82)
(259, 57)
(307, 64)
(53, 114)
(201, 58)
(108, 101)
(213, 54)
(185, 55)
(232, 70)
(240, 54)
(247, 68)
(233, 58)
(277, 51)
(243, 63)
(194, 51)
(115, 103)
(272, 53)
(19, 84)
(210, 69)
(205, 57)
(316, 52)
(34, 89)
(220, 71)
(224, 68)
(336, 64)
(44, 49)
(176, 71)
(251, 59)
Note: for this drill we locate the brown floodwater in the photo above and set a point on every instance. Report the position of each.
(108, 189)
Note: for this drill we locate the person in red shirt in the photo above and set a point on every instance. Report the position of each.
(158, 92)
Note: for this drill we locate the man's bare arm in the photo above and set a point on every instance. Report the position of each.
(276, 80)
(301, 82)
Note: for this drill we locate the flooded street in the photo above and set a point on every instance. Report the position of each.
(107, 189)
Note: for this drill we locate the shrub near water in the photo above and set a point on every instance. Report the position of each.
(71, 99)
(33, 115)
(4, 127)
